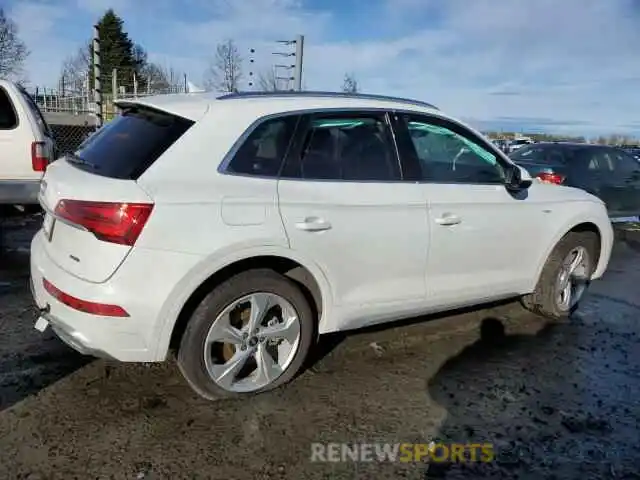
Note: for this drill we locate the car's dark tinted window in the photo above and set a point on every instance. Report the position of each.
(624, 162)
(356, 147)
(542, 154)
(449, 154)
(596, 159)
(264, 149)
(8, 117)
(129, 144)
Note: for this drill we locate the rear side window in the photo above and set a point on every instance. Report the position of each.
(8, 117)
(128, 145)
(346, 147)
(263, 152)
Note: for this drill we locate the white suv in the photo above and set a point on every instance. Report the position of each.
(237, 229)
(26, 146)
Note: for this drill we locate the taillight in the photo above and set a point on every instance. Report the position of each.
(119, 223)
(39, 158)
(550, 178)
(101, 309)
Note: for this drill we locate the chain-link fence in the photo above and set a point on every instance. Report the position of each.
(69, 137)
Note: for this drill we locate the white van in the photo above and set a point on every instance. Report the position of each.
(26, 146)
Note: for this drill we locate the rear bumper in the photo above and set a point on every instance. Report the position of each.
(19, 192)
(133, 287)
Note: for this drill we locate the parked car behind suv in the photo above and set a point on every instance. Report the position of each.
(26, 146)
(607, 172)
(236, 229)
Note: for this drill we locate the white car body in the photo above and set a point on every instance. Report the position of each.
(376, 251)
(26, 146)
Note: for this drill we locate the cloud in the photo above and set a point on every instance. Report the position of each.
(567, 65)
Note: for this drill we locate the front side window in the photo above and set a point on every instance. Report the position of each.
(347, 147)
(541, 154)
(264, 150)
(449, 154)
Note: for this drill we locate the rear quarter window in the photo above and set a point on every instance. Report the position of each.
(128, 145)
(8, 115)
(263, 151)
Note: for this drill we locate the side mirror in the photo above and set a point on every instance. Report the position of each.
(518, 178)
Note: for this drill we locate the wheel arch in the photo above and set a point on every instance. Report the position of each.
(181, 303)
(581, 225)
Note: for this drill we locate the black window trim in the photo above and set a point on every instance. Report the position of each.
(455, 127)
(13, 108)
(223, 167)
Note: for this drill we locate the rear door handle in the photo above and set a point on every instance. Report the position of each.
(448, 219)
(313, 224)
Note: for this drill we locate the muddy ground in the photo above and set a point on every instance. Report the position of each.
(557, 401)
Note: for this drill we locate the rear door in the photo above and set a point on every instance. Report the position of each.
(92, 198)
(344, 206)
(627, 173)
(598, 172)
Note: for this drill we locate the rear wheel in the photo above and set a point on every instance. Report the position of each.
(565, 276)
(251, 334)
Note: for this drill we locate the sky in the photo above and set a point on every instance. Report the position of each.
(562, 66)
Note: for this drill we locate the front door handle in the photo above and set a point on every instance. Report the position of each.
(313, 224)
(448, 219)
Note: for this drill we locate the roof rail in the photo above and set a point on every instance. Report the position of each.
(363, 96)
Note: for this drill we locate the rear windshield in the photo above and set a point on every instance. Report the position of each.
(546, 155)
(128, 145)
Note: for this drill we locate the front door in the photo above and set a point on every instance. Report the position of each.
(480, 232)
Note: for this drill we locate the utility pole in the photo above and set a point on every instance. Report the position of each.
(296, 77)
(298, 70)
(97, 89)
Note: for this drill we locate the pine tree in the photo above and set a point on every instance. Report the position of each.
(118, 51)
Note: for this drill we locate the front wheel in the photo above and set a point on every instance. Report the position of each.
(565, 277)
(251, 334)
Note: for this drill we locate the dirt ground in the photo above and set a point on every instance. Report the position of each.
(557, 401)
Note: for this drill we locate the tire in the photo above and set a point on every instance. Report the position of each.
(545, 298)
(191, 354)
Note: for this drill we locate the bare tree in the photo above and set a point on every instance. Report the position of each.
(13, 51)
(350, 84)
(225, 71)
(268, 81)
(74, 77)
